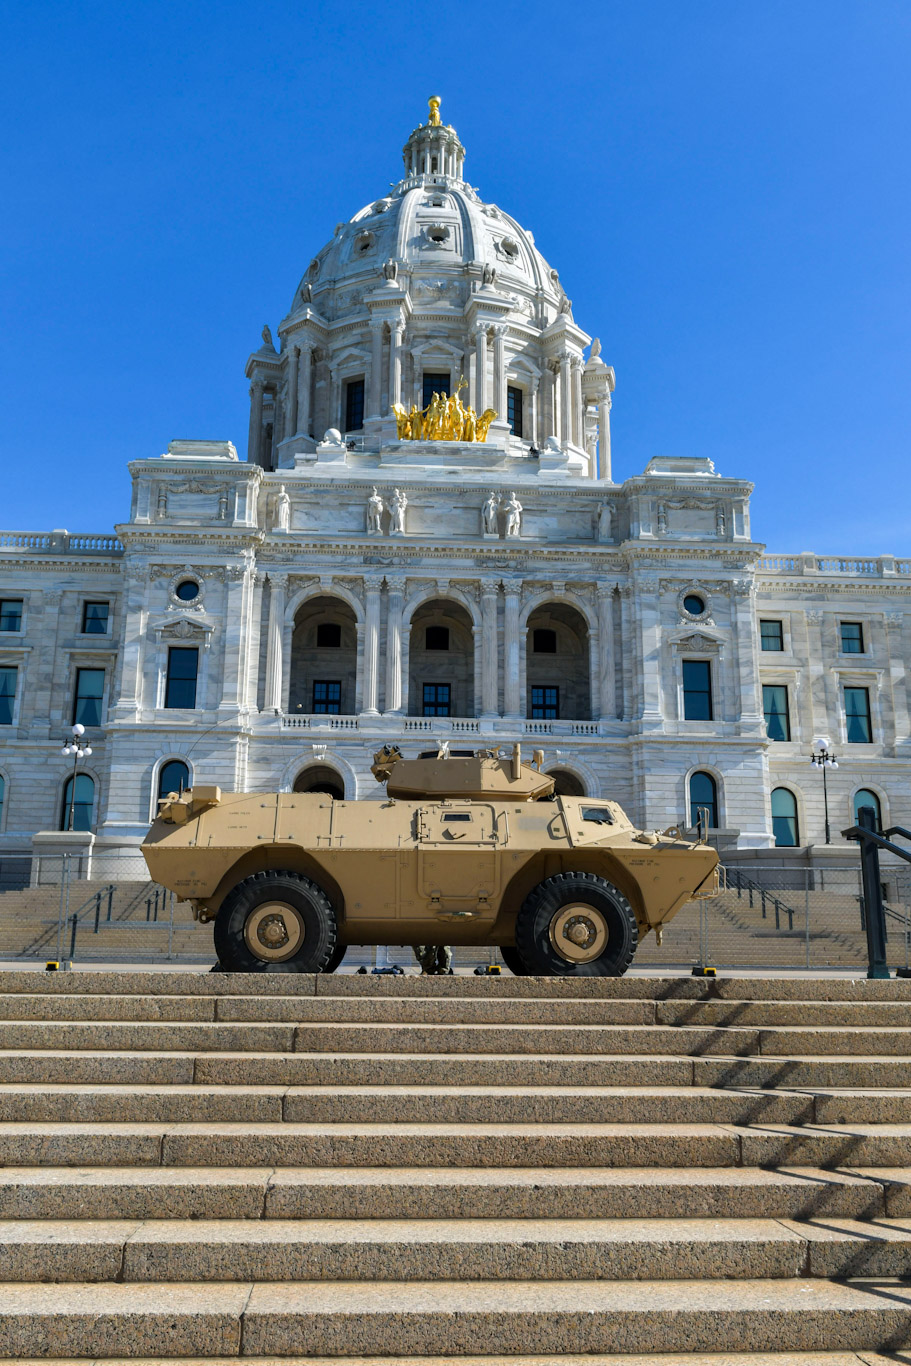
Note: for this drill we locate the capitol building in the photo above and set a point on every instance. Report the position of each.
(426, 545)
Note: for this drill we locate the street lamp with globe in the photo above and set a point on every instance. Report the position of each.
(823, 758)
(80, 749)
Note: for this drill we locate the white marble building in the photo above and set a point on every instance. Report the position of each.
(270, 623)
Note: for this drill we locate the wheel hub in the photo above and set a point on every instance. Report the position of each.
(274, 932)
(579, 933)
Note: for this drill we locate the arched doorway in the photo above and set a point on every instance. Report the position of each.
(323, 672)
(320, 778)
(566, 784)
(441, 660)
(557, 664)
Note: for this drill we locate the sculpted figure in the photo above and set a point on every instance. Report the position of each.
(596, 349)
(482, 426)
(489, 273)
(282, 510)
(374, 512)
(397, 505)
(390, 269)
(720, 521)
(432, 419)
(417, 422)
(162, 502)
(489, 515)
(306, 293)
(604, 521)
(469, 425)
(513, 509)
(223, 505)
(403, 422)
(267, 336)
(434, 116)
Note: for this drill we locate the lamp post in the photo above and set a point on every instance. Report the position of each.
(823, 758)
(80, 749)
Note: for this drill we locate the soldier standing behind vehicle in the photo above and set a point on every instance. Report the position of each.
(435, 959)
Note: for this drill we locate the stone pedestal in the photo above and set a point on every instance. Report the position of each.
(51, 847)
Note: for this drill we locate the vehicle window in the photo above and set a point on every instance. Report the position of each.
(457, 816)
(599, 814)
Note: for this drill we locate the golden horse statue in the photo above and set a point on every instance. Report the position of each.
(444, 419)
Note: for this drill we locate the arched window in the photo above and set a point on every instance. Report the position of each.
(704, 797)
(320, 778)
(82, 801)
(174, 776)
(867, 798)
(784, 818)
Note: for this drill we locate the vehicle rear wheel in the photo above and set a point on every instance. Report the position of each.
(275, 922)
(576, 925)
(513, 960)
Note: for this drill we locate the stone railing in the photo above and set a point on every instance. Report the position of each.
(877, 566)
(60, 542)
(435, 725)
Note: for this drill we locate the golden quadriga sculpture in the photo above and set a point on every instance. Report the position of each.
(444, 419)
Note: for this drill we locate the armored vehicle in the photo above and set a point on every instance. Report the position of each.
(466, 847)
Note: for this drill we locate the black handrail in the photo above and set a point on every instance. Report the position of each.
(871, 841)
(744, 883)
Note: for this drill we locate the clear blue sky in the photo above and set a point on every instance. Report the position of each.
(724, 187)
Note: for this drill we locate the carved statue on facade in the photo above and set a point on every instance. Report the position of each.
(267, 337)
(374, 513)
(397, 505)
(403, 422)
(434, 117)
(605, 515)
(162, 502)
(662, 520)
(720, 521)
(488, 274)
(223, 505)
(282, 510)
(391, 269)
(513, 509)
(444, 419)
(482, 424)
(490, 515)
(596, 349)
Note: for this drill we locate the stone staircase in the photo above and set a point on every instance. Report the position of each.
(203, 1168)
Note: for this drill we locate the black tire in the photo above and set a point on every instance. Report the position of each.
(513, 960)
(302, 913)
(335, 961)
(610, 925)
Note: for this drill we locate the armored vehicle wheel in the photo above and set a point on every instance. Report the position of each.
(513, 960)
(576, 925)
(335, 961)
(275, 922)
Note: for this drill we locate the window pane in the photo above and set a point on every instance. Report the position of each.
(329, 635)
(436, 698)
(435, 384)
(7, 695)
(771, 635)
(697, 690)
(775, 706)
(703, 796)
(11, 614)
(174, 776)
(76, 810)
(180, 688)
(436, 638)
(95, 619)
(354, 405)
(867, 798)
(544, 642)
(784, 817)
(545, 704)
(514, 410)
(327, 697)
(852, 638)
(89, 690)
(857, 715)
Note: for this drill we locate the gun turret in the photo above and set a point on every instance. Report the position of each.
(471, 774)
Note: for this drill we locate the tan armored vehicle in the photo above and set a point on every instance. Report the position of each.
(466, 848)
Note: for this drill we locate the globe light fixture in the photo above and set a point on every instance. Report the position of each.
(79, 750)
(823, 758)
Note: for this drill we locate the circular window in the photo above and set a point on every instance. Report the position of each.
(693, 604)
(509, 247)
(187, 590)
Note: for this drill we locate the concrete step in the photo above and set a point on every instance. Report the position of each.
(450, 1318)
(450, 1193)
(835, 1358)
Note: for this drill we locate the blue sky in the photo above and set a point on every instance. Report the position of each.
(724, 187)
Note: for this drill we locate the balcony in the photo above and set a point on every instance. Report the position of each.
(437, 725)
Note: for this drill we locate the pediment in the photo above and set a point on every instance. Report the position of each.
(699, 641)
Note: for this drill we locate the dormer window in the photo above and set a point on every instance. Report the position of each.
(509, 247)
(363, 242)
(437, 233)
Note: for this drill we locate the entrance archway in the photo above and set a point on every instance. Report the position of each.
(566, 784)
(320, 778)
(441, 660)
(557, 664)
(323, 672)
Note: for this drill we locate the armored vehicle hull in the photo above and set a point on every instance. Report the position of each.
(564, 886)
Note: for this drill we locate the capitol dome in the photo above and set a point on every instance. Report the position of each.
(429, 289)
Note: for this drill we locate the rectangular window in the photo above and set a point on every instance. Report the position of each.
(180, 686)
(7, 695)
(543, 641)
(437, 699)
(545, 704)
(328, 635)
(436, 638)
(771, 635)
(775, 706)
(852, 638)
(11, 614)
(514, 410)
(327, 697)
(87, 702)
(857, 716)
(354, 405)
(435, 384)
(697, 690)
(95, 618)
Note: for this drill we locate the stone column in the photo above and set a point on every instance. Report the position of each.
(489, 651)
(303, 389)
(376, 366)
(606, 673)
(371, 646)
(293, 367)
(512, 682)
(565, 400)
(604, 459)
(749, 712)
(548, 402)
(898, 676)
(577, 401)
(531, 432)
(395, 590)
(499, 371)
(480, 380)
(235, 635)
(272, 700)
(396, 333)
(255, 441)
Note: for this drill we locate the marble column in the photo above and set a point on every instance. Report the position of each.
(489, 652)
(531, 432)
(303, 389)
(480, 382)
(604, 457)
(577, 401)
(237, 579)
(371, 646)
(293, 368)
(565, 400)
(512, 683)
(396, 333)
(499, 371)
(749, 712)
(395, 590)
(548, 422)
(376, 366)
(606, 672)
(272, 700)
(255, 441)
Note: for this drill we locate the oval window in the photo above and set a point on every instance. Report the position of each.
(187, 591)
(693, 604)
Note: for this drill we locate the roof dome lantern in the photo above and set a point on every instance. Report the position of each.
(433, 153)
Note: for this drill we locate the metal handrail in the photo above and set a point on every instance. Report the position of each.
(871, 841)
(744, 883)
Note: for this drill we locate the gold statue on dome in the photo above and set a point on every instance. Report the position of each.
(434, 119)
(444, 419)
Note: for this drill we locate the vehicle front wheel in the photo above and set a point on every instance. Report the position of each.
(276, 922)
(513, 960)
(576, 925)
